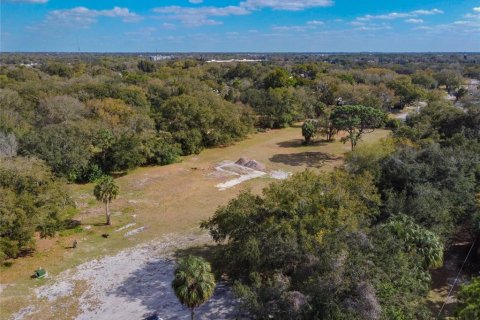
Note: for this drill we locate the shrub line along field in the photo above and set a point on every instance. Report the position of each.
(154, 202)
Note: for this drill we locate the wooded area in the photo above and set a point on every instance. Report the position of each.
(356, 243)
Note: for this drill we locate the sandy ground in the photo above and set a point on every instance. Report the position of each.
(230, 168)
(133, 284)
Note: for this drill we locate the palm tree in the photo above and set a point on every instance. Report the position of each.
(194, 282)
(106, 190)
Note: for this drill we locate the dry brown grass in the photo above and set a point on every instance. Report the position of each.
(168, 199)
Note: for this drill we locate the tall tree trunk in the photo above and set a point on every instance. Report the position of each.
(107, 212)
(193, 313)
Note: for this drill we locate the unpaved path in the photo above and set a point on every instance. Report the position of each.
(132, 284)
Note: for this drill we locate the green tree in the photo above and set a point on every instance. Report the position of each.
(309, 130)
(356, 121)
(278, 78)
(64, 146)
(450, 79)
(325, 124)
(194, 282)
(460, 93)
(406, 91)
(31, 199)
(105, 191)
(146, 66)
(418, 240)
(469, 300)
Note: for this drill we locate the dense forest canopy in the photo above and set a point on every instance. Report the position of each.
(357, 243)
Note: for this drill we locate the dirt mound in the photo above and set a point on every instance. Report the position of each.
(252, 164)
(242, 161)
(255, 165)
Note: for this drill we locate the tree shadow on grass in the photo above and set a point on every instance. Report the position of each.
(151, 287)
(294, 143)
(310, 159)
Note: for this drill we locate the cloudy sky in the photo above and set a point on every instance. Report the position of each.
(240, 25)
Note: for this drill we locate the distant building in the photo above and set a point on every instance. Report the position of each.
(160, 58)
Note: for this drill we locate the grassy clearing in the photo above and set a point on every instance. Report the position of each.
(164, 200)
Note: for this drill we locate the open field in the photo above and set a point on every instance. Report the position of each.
(155, 202)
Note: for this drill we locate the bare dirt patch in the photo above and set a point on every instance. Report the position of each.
(131, 284)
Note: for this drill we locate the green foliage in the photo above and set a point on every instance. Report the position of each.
(203, 120)
(436, 186)
(58, 69)
(124, 154)
(64, 147)
(194, 282)
(318, 205)
(309, 130)
(424, 79)
(162, 149)
(30, 200)
(469, 300)
(106, 190)
(450, 79)
(304, 250)
(406, 90)
(146, 66)
(417, 239)
(278, 78)
(356, 120)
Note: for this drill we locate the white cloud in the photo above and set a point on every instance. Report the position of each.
(293, 28)
(141, 32)
(83, 17)
(400, 15)
(469, 25)
(309, 25)
(412, 20)
(289, 5)
(427, 12)
(369, 26)
(194, 17)
(199, 16)
(169, 26)
(357, 23)
(374, 27)
(423, 28)
(29, 1)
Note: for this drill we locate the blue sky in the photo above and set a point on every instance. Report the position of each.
(240, 25)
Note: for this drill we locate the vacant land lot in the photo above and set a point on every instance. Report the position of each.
(155, 202)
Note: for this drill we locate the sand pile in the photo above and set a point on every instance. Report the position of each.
(255, 165)
(252, 164)
(242, 161)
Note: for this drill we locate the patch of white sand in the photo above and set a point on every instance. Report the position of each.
(60, 289)
(243, 173)
(133, 232)
(126, 226)
(279, 174)
(133, 284)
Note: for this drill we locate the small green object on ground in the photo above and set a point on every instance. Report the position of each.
(40, 273)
